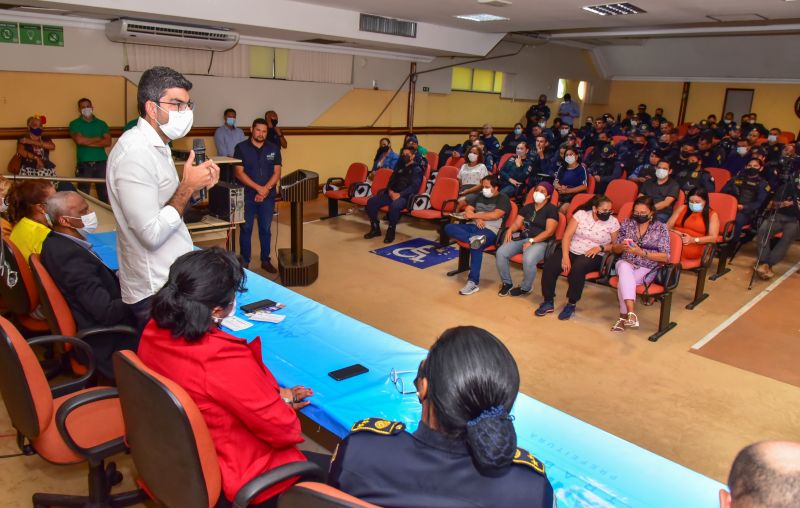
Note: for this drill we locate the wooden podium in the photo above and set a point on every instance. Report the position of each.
(297, 266)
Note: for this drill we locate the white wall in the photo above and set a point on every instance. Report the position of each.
(759, 57)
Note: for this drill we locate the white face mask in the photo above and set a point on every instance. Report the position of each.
(538, 197)
(487, 192)
(564, 132)
(772, 138)
(178, 125)
(521, 152)
(233, 308)
(89, 223)
(86, 112)
(727, 120)
(634, 123)
(662, 173)
(542, 124)
(472, 157)
(569, 159)
(741, 150)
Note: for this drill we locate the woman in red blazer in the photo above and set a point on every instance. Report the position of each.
(251, 419)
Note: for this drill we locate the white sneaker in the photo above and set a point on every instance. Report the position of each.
(469, 288)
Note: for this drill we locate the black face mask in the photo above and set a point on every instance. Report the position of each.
(685, 153)
(406, 159)
(604, 216)
(641, 219)
(383, 149)
(274, 122)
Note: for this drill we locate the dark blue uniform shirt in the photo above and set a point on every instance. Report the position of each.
(259, 163)
(393, 468)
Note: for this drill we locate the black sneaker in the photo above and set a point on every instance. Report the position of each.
(517, 291)
(504, 290)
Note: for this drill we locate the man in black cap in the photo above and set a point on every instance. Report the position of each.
(692, 134)
(417, 152)
(404, 183)
(691, 173)
(605, 168)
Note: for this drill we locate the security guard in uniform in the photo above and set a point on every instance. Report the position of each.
(468, 457)
(751, 189)
(404, 183)
(605, 168)
(711, 156)
(690, 174)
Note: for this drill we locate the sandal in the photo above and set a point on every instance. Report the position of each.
(619, 326)
(632, 321)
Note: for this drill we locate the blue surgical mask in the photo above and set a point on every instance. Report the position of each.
(231, 121)
(696, 207)
(517, 131)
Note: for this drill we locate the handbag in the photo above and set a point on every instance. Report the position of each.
(15, 164)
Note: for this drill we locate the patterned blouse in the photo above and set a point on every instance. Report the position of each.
(655, 239)
(590, 233)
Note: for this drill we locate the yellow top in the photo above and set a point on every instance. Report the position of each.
(28, 236)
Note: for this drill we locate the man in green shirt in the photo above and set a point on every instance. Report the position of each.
(91, 135)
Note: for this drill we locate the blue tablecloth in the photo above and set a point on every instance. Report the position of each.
(587, 466)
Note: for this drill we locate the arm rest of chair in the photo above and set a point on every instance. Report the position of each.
(445, 203)
(607, 264)
(75, 384)
(673, 276)
(335, 179)
(102, 450)
(305, 470)
(124, 331)
(727, 232)
(708, 254)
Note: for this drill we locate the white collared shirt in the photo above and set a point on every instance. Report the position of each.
(141, 179)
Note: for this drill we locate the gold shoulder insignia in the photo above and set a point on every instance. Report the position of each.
(526, 458)
(378, 426)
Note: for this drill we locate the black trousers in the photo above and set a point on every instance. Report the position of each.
(581, 265)
(95, 169)
(320, 459)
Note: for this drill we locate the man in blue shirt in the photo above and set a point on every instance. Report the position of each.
(260, 172)
(227, 136)
(568, 111)
(491, 143)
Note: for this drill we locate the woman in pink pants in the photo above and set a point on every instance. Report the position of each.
(644, 245)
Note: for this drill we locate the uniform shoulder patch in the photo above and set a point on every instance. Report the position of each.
(378, 426)
(526, 458)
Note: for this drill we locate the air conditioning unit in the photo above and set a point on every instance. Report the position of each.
(134, 31)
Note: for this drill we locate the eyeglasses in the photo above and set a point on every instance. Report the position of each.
(182, 106)
(394, 376)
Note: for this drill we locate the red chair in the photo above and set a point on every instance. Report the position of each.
(578, 201)
(356, 173)
(588, 152)
(433, 160)
(562, 226)
(455, 161)
(591, 184)
(721, 177)
(620, 192)
(503, 160)
(726, 207)
(360, 193)
(422, 190)
(19, 291)
(785, 138)
(443, 199)
(625, 212)
(615, 140)
(700, 268)
(448, 172)
(683, 129)
(463, 248)
(669, 276)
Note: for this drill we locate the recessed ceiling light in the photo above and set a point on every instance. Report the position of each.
(495, 3)
(482, 17)
(614, 9)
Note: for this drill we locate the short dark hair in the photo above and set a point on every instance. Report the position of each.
(84, 99)
(472, 384)
(567, 97)
(755, 481)
(493, 180)
(198, 281)
(155, 81)
(259, 121)
(524, 143)
(646, 201)
(706, 137)
(229, 110)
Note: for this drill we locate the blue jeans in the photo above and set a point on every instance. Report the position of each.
(463, 232)
(530, 258)
(263, 212)
(382, 199)
(509, 190)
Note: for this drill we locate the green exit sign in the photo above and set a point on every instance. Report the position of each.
(53, 35)
(9, 32)
(30, 34)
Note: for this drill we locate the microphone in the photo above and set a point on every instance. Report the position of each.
(199, 147)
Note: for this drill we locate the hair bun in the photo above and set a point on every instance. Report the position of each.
(492, 441)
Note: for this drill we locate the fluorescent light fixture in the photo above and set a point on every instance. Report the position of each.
(614, 9)
(482, 17)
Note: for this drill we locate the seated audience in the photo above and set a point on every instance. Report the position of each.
(411, 141)
(646, 172)
(485, 212)
(515, 171)
(253, 430)
(472, 172)
(464, 451)
(663, 190)
(385, 157)
(764, 475)
(786, 220)
(759, 127)
(90, 288)
(773, 147)
(753, 137)
(696, 223)
(227, 135)
(605, 168)
(490, 142)
(34, 149)
(404, 183)
(751, 190)
(29, 216)
(735, 161)
(643, 245)
(571, 179)
(589, 233)
(513, 138)
(543, 163)
(474, 134)
(529, 235)
(692, 175)
(711, 155)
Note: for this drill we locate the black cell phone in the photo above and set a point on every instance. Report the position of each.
(252, 307)
(348, 372)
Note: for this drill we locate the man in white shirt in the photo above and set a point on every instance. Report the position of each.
(146, 195)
